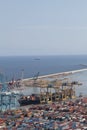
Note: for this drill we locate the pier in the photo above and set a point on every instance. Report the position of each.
(57, 74)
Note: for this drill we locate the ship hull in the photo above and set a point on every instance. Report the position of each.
(30, 102)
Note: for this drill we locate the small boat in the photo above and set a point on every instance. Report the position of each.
(28, 100)
(37, 59)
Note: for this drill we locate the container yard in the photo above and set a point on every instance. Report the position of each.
(63, 115)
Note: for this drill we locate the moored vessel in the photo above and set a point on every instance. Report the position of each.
(28, 100)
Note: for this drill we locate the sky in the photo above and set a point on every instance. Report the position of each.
(43, 27)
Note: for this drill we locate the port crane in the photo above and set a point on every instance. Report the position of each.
(63, 90)
(7, 98)
(35, 77)
(4, 85)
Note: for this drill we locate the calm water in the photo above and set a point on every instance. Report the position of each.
(30, 65)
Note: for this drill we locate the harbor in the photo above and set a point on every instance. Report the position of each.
(57, 109)
(50, 88)
(43, 65)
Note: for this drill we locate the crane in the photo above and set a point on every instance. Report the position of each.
(35, 77)
(3, 83)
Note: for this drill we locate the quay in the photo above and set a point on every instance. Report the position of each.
(33, 81)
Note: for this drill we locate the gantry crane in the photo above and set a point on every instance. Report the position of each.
(35, 77)
(4, 86)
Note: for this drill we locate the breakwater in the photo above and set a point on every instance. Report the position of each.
(57, 74)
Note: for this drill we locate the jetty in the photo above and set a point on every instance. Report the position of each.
(35, 81)
(57, 74)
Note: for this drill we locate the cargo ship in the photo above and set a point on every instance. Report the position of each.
(64, 92)
(28, 100)
(44, 98)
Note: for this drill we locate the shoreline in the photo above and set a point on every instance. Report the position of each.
(57, 74)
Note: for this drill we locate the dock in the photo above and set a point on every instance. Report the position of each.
(57, 74)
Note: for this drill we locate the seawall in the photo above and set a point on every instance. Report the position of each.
(56, 74)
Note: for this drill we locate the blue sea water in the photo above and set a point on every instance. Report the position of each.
(30, 65)
(27, 66)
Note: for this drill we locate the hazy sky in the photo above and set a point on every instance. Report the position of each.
(43, 27)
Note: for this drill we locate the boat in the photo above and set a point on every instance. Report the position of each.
(29, 100)
(46, 97)
(37, 59)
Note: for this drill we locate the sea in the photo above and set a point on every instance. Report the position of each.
(22, 67)
(28, 66)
